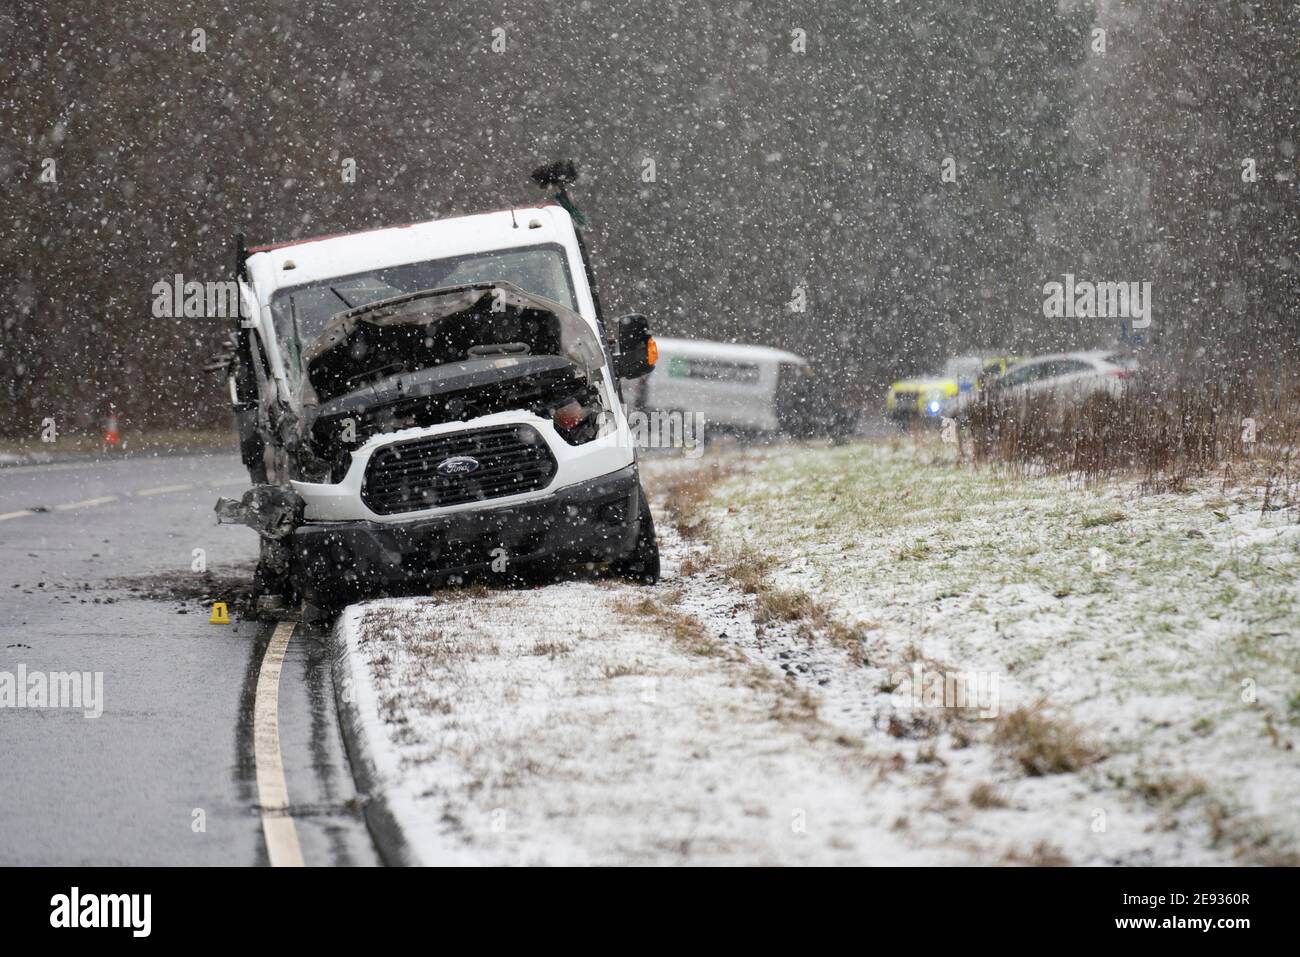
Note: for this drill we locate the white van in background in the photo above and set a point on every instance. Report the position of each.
(739, 387)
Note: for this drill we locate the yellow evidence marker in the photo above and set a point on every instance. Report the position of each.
(219, 614)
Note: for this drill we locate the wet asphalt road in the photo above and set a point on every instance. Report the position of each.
(173, 746)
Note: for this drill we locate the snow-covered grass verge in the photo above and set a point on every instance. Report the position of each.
(1158, 635)
(594, 723)
(1133, 659)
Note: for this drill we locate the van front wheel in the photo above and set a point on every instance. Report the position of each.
(642, 565)
(273, 588)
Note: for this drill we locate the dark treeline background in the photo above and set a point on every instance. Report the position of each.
(774, 169)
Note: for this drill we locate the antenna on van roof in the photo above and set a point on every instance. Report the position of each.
(559, 176)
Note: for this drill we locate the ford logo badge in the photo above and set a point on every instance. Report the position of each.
(458, 465)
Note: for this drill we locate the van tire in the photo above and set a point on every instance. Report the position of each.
(272, 576)
(642, 564)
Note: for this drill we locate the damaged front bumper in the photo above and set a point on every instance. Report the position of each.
(345, 500)
(269, 510)
(592, 521)
(325, 543)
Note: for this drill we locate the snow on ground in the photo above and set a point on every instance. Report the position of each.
(601, 722)
(1165, 625)
(554, 726)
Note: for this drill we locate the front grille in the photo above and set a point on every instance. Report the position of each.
(404, 476)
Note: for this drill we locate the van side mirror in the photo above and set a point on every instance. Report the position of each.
(637, 352)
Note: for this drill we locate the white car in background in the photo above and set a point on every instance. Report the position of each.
(1071, 376)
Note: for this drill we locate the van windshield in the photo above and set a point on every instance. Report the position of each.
(301, 312)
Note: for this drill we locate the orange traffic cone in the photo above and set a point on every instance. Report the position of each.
(111, 434)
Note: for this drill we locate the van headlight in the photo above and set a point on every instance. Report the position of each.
(576, 421)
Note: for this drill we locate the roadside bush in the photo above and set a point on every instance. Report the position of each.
(1167, 425)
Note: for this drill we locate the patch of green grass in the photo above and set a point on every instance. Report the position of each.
(1105, 518)
(876, 506)
(917, 551)
(1173, 605)
(163, 441)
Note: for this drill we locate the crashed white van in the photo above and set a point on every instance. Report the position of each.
(435, 400)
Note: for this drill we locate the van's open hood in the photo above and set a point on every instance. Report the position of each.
(437, 356)
(422, 329)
